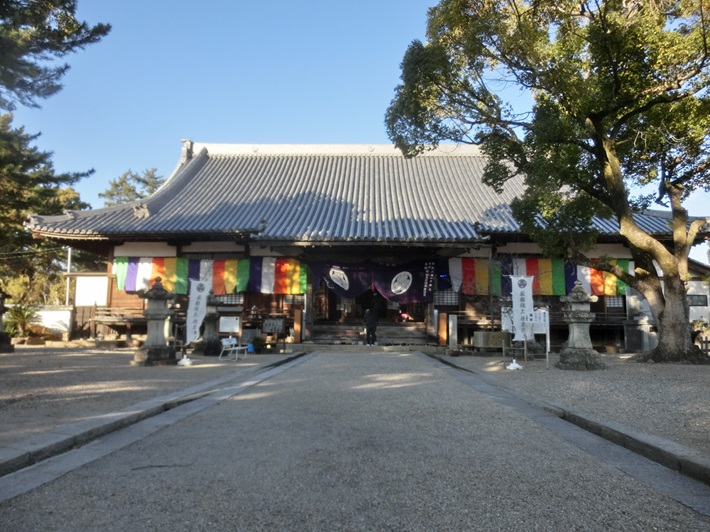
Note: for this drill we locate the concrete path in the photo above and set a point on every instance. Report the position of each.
(357, 441)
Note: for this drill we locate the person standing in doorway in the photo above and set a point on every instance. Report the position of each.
(370, 327)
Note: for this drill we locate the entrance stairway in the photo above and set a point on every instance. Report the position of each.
(412, 333)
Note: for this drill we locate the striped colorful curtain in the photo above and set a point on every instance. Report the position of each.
(281, 276)
(120, 270)
(481, 276)
(145, 272)
(268, 275)
(271, 275)
(468, 280)
(218, 287)
(230, 276)
(455, 273)
(558, 277)
(621, 286)
(132, 274)
(495, 272)
(158, 269)
(182, 270)
(552, 277)
(242, 275)
(596, 280)
(169, 273)
(532, 270)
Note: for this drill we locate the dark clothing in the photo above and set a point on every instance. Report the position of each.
(370, 327)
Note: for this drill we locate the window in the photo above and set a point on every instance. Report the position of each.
(446, 298)
(698, 300)
(294, 299)
(231, 299)
(614, 302)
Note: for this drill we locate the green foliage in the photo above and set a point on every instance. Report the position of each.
(33, 35)
(10, 329)
(619, 102)
(19, 317)
(131, 186)
(618, 96)
(258, 342)
(28, 184)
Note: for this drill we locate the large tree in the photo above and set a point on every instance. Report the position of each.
(619, 103)
(29, 184)
(33, 35)
(131, 186)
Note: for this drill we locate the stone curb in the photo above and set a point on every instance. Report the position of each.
(675, 456)
(62, 439)
(666, 452)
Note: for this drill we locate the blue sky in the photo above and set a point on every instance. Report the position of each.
(227, 71)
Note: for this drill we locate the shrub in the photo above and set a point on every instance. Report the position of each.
(19, 317)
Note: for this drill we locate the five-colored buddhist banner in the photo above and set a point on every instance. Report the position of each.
(268, 275)
(280, 275)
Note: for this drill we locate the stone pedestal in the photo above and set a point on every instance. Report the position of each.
(155, 351)
(578, 353)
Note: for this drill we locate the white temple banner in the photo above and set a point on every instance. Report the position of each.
(196, 310)
(523, 309)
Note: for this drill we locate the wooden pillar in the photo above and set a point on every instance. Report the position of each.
(442, 328)
(453, 331)
(297, 321)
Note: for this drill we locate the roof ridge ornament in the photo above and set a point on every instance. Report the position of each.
(140, 210)
(187, 150)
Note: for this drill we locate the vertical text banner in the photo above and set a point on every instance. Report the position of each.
(196, 310)
(523, 309)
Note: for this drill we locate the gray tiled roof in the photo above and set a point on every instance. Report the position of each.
(316, 194)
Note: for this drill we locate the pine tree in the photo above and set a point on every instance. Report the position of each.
(33, 34)
(131, 186)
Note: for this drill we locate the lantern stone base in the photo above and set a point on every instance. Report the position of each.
(155, 356)
(580, 359)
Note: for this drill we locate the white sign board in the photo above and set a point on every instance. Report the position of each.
(540, 318)
(229, 324)
(273, 325)
(91, 291)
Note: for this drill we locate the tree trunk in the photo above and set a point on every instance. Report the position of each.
(675, 342)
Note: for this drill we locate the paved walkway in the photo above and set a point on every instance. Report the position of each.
(372, 440)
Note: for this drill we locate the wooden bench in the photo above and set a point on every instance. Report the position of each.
(117, 317)
(231, 348)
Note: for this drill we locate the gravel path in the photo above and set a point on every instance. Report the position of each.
(667, 400)
(41, 389)
(369, 441)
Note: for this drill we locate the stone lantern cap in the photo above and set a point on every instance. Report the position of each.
(156, 292)
(211, 299)
(578, 295)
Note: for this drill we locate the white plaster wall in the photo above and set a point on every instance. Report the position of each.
(144, 249)
(213, 247)
(58, 319)
(699, 288)
(616, 251)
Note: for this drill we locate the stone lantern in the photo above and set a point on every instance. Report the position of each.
(579, 353)
(156, 350)
(5, 342)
